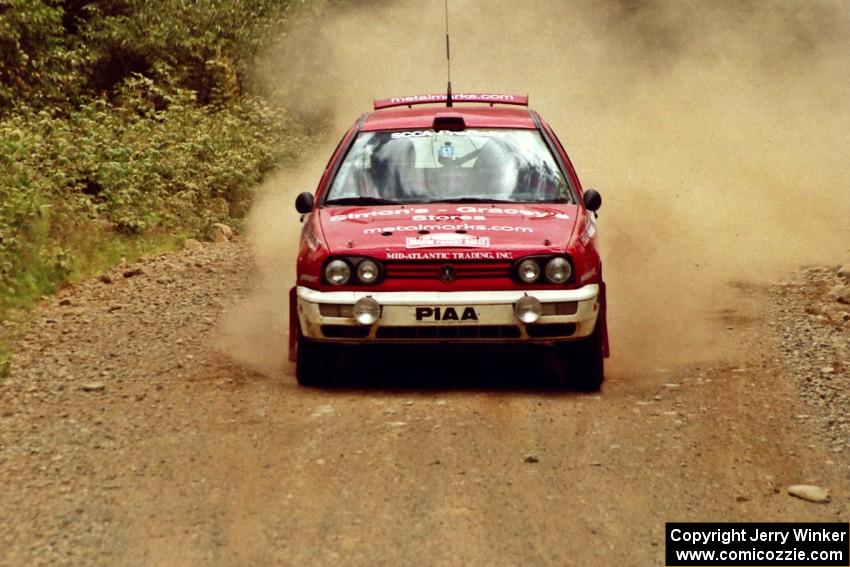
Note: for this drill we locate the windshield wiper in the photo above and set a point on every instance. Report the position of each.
(361, 201)
(489, 200)
(469, 200)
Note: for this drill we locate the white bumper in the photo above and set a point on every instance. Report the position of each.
(568, 314)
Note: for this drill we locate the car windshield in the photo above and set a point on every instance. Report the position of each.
(469, 165)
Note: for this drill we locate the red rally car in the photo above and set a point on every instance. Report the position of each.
(434, 223)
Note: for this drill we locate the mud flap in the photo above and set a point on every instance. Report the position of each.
(603, 308)
(293, 323)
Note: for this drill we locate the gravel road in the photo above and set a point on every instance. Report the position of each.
(126, 438)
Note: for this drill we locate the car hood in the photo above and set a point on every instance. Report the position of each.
(415, 231)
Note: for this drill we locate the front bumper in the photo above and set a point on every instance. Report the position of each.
(424, 317)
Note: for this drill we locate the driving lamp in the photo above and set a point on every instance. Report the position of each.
(527, 309)
(366, 310)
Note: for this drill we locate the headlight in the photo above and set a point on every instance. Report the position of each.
(337, 272)
(558, 270)
(367, 271)
(528, 309)
(366, 310)
(528, 271)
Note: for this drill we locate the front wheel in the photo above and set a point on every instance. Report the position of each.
(583, 360)
(313, 363)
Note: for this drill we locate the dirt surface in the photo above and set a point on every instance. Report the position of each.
(126, 438)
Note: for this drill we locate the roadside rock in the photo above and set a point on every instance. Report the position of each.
(192, 245)
(840, 293)
(810, 492)
(531, 458)
(844, 272)
(93, 387)
(220, 232)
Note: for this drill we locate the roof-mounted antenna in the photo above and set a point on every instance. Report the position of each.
(448, 59)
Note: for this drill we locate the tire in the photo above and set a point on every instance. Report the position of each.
(313, 363)
(583, 362)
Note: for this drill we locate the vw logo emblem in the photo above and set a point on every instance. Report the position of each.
(448, 274)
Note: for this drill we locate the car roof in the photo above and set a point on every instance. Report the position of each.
(423, 117)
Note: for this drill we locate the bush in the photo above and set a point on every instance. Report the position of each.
(158, 164)
(127, 124)
(66, 52)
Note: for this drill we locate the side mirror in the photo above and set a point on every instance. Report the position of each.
(592, 200)
(304, 203)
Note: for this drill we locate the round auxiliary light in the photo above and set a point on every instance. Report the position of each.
(366, 310)
(367, 271)
(528, 271)
(528, 309)
(558, 270)
(337, 272)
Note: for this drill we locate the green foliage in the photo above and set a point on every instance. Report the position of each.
(158, 164)
(69, 51)
(30, 36)
(126, 125)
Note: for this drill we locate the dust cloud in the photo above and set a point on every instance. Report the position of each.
(255, 330)
(717, 133)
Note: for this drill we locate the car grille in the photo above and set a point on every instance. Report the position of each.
(432, 270)
(493, 332)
